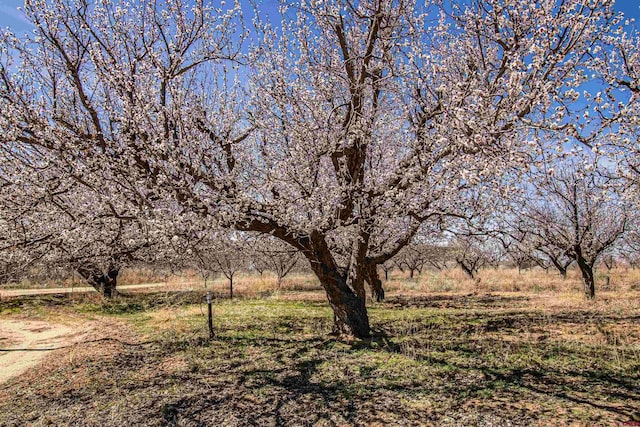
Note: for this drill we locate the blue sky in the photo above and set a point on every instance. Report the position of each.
(631, 8)
(11, 17)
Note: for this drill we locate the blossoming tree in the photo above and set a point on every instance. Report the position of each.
(339, 130)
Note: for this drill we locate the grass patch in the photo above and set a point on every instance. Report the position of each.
(434, 359)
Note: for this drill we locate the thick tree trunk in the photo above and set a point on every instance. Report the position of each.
(109, 284)
(105, 284)
(347, 302)
(588, 280)
(411, 271)
(231, 287)
(345, 289)
(350, 312)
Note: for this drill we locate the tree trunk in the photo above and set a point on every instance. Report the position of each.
(411, 271)
(386, 275)
(347, 302)
(110, 282)
(587, 277)
(561, 268)
(563, 273)
(105, 284)
(350, 312)
(231, 287)
(466, 269)
(345, 289)
(375, 283)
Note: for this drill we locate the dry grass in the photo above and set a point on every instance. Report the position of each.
(470, 357)
(622, 280)
(248, 284)
(510, 280)
(514, 349)
(538, 281)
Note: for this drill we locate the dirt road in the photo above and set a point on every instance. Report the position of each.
(81, 289)
(24, 343)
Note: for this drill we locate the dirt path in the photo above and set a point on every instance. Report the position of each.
(80, 289)
(24, 343)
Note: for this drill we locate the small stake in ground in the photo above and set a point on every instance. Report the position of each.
(209, 298)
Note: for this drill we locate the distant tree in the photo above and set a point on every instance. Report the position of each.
(437, 256)
(276, 256)
(412, 258)
(520, 259)
(494, 251)
(516, 244)
(574, 212)
(522, 242)
(468, 254)
(387, 267)
(223, 252)
(609, 261)
(558, 257)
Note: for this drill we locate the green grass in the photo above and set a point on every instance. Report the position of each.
(433, 360)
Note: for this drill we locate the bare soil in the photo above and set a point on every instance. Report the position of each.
(25, 343)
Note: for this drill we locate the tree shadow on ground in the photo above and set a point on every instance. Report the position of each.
(289, 378)
(468, 368)
(454, 301)
(463, 343)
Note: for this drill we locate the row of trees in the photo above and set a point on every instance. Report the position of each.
(535, 238)
(574, 215)
(228, 254)
(339, 128)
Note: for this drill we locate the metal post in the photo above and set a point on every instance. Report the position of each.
(209, 298)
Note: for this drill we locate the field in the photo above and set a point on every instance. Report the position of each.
(515, 349)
